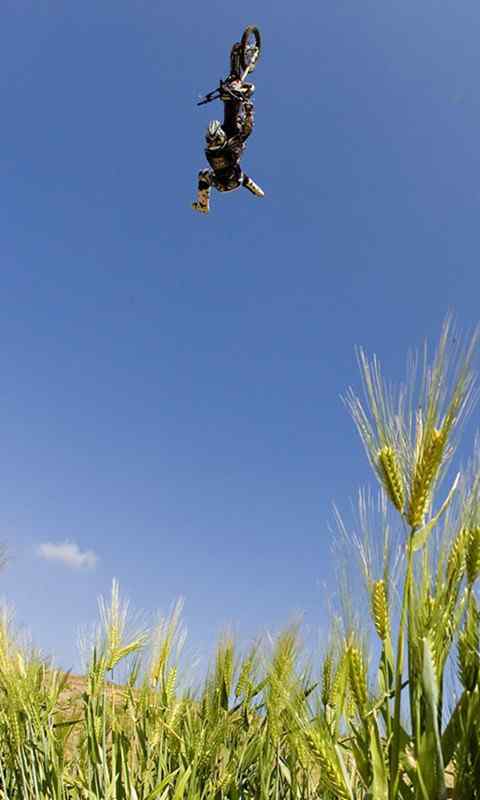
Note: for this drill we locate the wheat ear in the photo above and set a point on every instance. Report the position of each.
(391, 476)
(426, 472)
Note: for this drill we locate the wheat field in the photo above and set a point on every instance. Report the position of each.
(391, 708)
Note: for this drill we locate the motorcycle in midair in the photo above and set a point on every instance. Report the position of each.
(225, 141)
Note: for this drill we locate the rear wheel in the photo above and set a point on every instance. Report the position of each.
(250, 47)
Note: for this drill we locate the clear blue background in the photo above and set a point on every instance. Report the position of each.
(169, 383)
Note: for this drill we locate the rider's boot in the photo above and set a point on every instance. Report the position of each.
(252, 187)
(202, 202)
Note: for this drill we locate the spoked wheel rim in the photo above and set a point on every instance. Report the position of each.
(250, 47)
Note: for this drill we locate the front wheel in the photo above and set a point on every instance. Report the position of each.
(250, 47)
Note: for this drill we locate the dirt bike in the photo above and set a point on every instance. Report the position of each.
(223, 151)
(243, 60)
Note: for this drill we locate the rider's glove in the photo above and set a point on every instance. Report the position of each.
(197, 207)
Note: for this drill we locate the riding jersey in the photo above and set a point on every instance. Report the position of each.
(222, 159)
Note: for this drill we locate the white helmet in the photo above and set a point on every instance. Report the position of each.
(215, 134)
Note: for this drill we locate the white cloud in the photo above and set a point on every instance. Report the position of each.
(68, 553)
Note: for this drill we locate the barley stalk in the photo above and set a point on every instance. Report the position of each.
(327, 679)
(472, 556)
(170, 685)
(426, 472)
(330, 773)
(391, 476)
(358, 678)
(456, 556)
(380, 609)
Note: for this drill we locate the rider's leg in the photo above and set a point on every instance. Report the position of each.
(238, 119)
(231, 111)
(238, 111)
(202, 202)
(252, 187)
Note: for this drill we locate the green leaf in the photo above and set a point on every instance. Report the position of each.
(344, 771)
(157, 792)
(285, 772)
(180, 787)
(430, 767)
(421, 536)
(451, 733)
(379, 767)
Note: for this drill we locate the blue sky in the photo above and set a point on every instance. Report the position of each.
(170, 384)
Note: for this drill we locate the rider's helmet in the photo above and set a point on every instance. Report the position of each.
(215, 134)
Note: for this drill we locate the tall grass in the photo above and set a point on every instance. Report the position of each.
(393, 709)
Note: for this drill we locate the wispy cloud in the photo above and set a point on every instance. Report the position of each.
(68, 553)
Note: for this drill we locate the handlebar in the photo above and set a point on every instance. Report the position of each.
(209, 97)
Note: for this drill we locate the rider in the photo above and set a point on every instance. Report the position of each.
(226, 144)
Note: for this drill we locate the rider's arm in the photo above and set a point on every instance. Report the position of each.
(235, 146)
